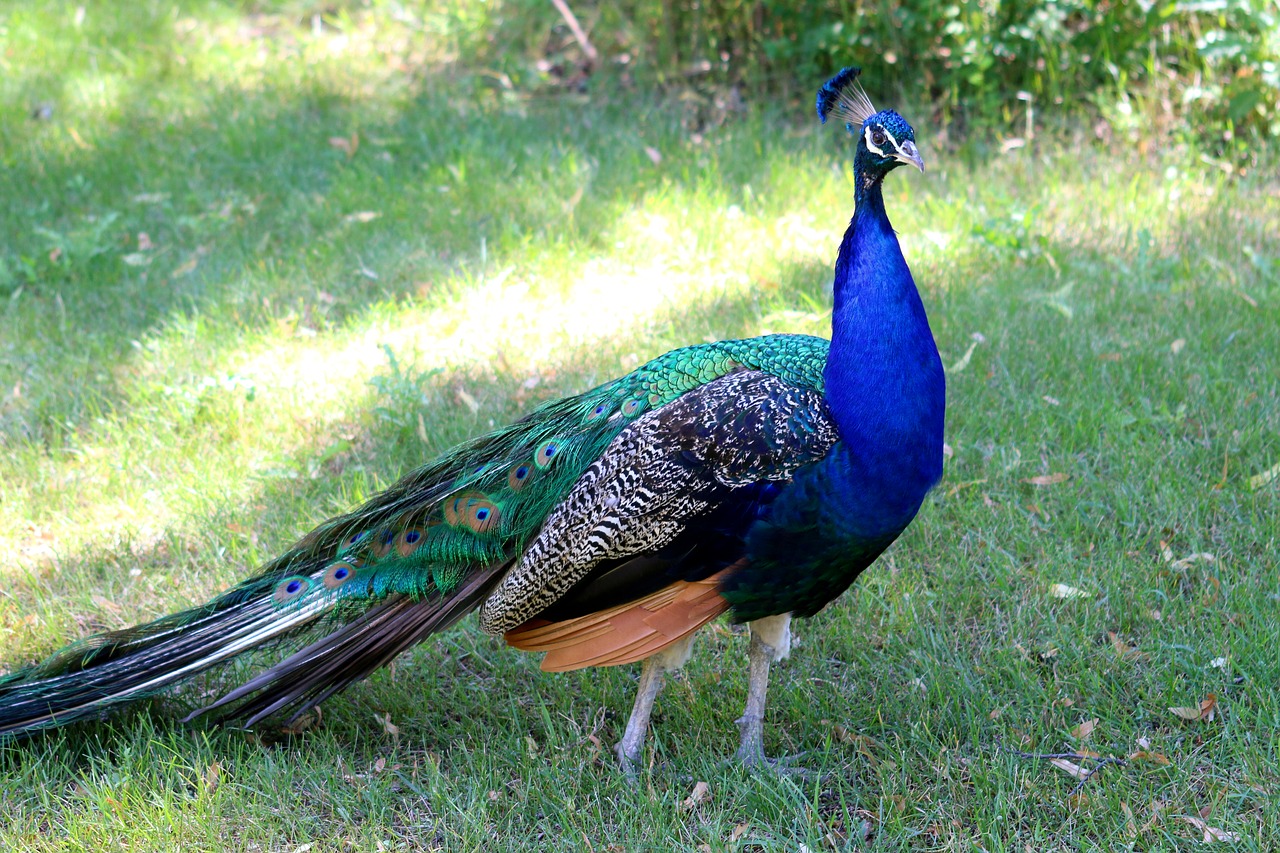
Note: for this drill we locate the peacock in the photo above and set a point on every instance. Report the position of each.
(754, 477)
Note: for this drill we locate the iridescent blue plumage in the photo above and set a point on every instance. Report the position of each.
(759, 476)
(885, 387)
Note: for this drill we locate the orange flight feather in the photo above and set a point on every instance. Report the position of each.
(625, 633)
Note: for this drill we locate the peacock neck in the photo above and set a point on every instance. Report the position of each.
(884, 380)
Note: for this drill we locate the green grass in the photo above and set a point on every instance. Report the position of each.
(171, 416)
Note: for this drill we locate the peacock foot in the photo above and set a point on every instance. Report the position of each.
(751, 752)
(628, 758)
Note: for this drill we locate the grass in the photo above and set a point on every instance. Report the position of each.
(358, 252)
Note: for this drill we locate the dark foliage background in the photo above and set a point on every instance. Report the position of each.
(1206, 71)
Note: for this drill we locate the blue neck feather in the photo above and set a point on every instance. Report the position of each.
(884, 379)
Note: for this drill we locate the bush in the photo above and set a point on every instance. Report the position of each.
(1204, 68)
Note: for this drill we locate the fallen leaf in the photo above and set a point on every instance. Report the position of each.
(738, 831)
(1123, 648)
(212, 775)
(468, 401)
(361, 216)
(1186, 562)
(1257, 481)
(1075, 771)
(106, 604)
(1211, 833)
(964, 359)
(955, 490)
(80, 143)
(1206, 710)
(701, 793)
(1131, 825)
(1177, 345)
(1085, 729)
(347, 145)
(1154, 757)
(387, 726)
(309, 720)
(1048, 479)
(1061, 590)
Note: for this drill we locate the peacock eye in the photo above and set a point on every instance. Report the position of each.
(877, 136)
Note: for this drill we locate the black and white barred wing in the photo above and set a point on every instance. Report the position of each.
(658, 477)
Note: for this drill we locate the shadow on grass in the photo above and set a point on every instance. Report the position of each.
(195, 231)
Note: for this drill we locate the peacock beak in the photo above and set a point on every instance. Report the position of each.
(907, 153)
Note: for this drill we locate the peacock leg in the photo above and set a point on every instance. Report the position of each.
(655, 666)
(770, 642)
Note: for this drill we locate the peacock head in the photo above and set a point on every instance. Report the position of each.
(885, 140)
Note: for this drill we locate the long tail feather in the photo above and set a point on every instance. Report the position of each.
(312, 674)
(100, 673)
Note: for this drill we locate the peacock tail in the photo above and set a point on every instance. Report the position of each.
(365, 586)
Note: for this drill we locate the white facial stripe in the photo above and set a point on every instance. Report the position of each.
(871, 146)
(875, 149)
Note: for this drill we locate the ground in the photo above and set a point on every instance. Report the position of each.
(253, 272)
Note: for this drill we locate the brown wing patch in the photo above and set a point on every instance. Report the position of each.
(626, 633)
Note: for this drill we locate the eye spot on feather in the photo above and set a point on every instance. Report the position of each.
(338, 574)
(291, 589)
(383, 541)
(598, 412)
(519, 476)
(545, 453)
(483, 516)
(456, 507)
(474, 511)
(354, 539)
(632, 407)
(408, 541)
